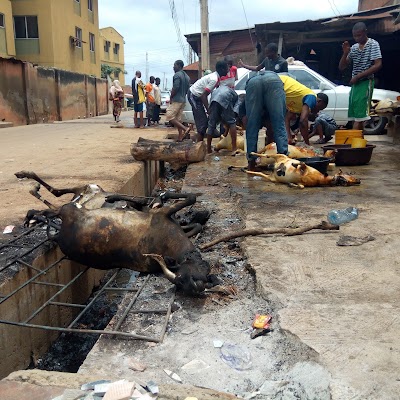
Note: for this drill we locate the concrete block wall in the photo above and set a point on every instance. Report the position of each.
(32, 94)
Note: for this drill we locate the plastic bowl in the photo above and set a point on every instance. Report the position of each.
(346, 155)
(319, 163)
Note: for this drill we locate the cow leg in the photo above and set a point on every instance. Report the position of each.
(135, 201)
(192, 229)
(35, 193)
(56, 192)
(188, 200)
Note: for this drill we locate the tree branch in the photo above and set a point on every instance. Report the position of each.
(325, 226)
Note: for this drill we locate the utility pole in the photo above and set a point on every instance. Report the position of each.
(147, 66)
(205, 50)
(165, 88)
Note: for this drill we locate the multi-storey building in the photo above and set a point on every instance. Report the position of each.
(7, 44)
(56, 33)
(111, 45)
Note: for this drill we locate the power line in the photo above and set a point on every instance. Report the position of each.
(247, 22)
(177, 29)
(332, 8)
(333, 1)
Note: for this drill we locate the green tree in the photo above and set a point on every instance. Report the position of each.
(111, 71)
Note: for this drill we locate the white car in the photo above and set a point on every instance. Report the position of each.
(338, 96)
(165, 99)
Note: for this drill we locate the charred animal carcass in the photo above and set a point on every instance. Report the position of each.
(144, 239)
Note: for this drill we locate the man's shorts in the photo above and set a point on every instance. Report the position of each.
(150, 109)
(219, 114)
(174, 111)
(138, 107)
(360, 100)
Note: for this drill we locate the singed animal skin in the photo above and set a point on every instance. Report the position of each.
(290, 171)
(105, 238)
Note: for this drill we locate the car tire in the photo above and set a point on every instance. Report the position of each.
(375, 126)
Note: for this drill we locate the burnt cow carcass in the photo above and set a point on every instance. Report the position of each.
(145, 240)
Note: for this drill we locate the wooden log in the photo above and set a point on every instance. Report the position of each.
(173, 152)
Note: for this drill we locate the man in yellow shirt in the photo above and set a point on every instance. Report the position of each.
(301, 100)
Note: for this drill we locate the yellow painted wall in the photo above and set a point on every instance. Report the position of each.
(112, 35)
(57, 20)
(8, 30)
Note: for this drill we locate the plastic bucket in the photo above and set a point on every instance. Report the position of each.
(345, 136)
(358, 143)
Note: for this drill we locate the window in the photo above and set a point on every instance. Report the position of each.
(78, 37)
(90, 5)
(26, 28)
(107, 45)
(116, 48)
(91, 42)
(1, 20)
(306, 78)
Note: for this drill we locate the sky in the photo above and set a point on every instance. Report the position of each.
(150, 32)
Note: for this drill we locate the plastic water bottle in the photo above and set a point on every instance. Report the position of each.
(339, 217)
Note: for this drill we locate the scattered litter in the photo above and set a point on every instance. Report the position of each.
(71, 394)
(218, 343)
(135, 365)
(339, 217)
(119, 390)
(195, 366)
(152, 387)
(261, 321)
(257, 178)
(354, 241)
(236, 356)
(216, 158)
(101, 389)
(8, 229)
(91, 385)
(173, 375)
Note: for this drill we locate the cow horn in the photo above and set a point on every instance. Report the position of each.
(169, 274)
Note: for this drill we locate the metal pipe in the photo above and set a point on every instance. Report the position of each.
(55, 295)
(121, 320)
(89, 331)
(94, 299)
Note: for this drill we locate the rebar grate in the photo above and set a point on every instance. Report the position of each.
(16, 254)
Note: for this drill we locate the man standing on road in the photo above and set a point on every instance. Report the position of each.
(180, 86)
(150, 101)
(157, 98)
(198, 97)
(265, 98)
(272, 62)
(138, 99)
(366, 59)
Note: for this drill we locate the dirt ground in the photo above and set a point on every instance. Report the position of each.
(335, 325)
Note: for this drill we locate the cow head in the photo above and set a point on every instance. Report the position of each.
(190, 274)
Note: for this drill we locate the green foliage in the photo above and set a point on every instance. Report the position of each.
(111, 71)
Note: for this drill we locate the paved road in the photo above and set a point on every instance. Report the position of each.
(66, 154)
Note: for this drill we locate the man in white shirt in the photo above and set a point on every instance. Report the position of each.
(198, 97)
